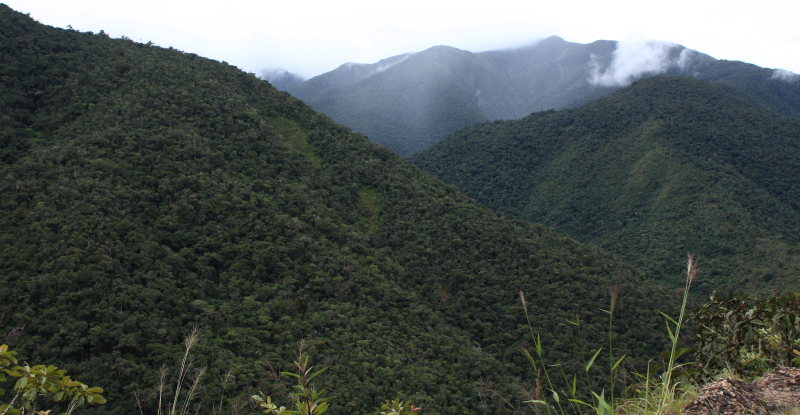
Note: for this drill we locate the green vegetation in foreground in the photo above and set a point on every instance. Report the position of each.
(147, 191)
(766, 330)
(559, 392)
(665, 166)
(41, 386)
(747, 336)
(763, 332)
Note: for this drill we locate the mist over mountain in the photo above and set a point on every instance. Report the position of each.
(412, 101)
(667, 165)
(281, 78)
(147, 191)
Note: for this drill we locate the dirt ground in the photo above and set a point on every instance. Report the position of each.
(775, 393)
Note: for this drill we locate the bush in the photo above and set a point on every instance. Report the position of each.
(747, 336)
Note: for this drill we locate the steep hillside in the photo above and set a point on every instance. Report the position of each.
(412, 101)
(666, 166)
(405, 102)
(772, 89)
(147, 191)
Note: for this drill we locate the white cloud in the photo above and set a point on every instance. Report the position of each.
(685, 58)
(784, 75)
(389, 63)
(633, 59)
(313, 36)
(272, 74)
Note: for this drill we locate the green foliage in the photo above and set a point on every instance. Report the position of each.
(39, 383)
(306, 399)
(399, 407)
(667, 165)
(747, 336)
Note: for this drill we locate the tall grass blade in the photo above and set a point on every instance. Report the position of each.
(618, 362)
(668, 389)
(591, 361)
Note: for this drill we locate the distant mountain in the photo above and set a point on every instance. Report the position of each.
(412, 101)
(665, 166)
(147, 191)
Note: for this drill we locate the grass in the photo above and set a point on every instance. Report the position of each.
(181, 400)
(657, 394)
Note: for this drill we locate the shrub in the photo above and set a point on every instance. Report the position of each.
(43, 386)
(747, 336)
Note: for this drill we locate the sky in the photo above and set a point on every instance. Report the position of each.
(309, 37)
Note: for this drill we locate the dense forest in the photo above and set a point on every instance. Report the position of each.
(148, 191)
(668, 165)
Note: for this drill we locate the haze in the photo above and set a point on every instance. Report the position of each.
(312, 37)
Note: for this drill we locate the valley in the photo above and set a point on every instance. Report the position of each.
(427, 226)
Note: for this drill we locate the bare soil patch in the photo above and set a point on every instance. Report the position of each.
(774, 393)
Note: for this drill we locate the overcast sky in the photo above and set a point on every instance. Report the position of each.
(314, 36)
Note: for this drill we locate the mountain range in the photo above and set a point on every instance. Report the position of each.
(410, 102)
(668, 165)
(147, 191)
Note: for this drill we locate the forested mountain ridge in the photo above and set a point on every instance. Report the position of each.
(409, 102)
(667, 165)
(147, 191)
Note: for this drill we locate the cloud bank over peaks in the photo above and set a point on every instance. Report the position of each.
(634, 59)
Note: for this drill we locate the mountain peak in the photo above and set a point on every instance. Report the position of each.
(553, 40)
(443, 50)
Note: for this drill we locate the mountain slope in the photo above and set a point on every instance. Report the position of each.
(666, 166)
(412, 101)
(147, 191)
(437, 97)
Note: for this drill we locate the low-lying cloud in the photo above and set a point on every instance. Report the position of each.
(389, 63)
(784, 75)
(634, 59)
(272, 74)
(365, 70)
